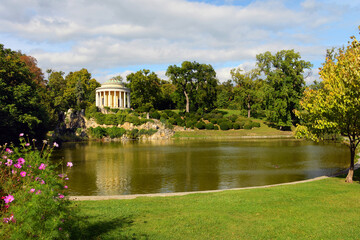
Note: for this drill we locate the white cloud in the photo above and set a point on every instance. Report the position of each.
(111, 34)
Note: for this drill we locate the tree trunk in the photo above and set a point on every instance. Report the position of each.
(349, 177)
(249, 109)
(187, 102)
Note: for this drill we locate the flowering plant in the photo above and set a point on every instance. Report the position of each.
(33, 202)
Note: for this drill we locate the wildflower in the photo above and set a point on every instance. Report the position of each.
(38, 192)
(69, 164)
(66, 178)
(21, 134)
(6, 220)
(61, 175)
(61, 196)
(8, 150)
(21, 161)
(27, 144)
(9, 162)
(13, 171)
(23, 173)
(56, 145)
(60, 229)
(17, 165)
(42, 182)
(42, 166)
(45, 141)
(9, 198)
(4, 157)
(65, 187)
(32, 190)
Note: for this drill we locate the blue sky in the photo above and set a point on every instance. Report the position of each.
(111, 37)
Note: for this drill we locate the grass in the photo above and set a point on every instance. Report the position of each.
(263, 130)
(323, 209)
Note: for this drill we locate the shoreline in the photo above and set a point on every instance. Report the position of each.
(133, 196)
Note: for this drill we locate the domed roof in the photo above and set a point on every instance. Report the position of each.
(114, 81)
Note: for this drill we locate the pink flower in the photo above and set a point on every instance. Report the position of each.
(21, 161)
(27, 144)
(8, 150)
(61, 196)
(21, 134)
(9, 162)
(13, 171)
(4, 157)
(23, 174)
(42, 166)
(9, 198)
(17, 165)
(42, 182)
(32, 190)
(69, 164)
(56, 145)
(65, 187)
(38, 192)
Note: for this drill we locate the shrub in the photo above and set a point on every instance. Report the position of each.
(255, 124)
(224, 126)
(99, 118)
(209, 126)
(236, 125)
(155, 115)
(200, 125)
(216, 127)
(164, 115)
(91, 111)
(190, 123)
(233, 117)
(97, 132)
(133, 134)
(213, 121)
(172, 121)
(248, 125)
(115, 132)
(33, 203)
(110, 119)
(133, 119)
(180, 121)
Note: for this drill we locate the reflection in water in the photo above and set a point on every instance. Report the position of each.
(194, 165)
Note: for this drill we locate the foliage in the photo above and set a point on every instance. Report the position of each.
(23, 103)
(196, 83)
(200, 125)
(224, 125)
(225, 94)
(335, 108)
(209, 126)
(285, 85)
(145, 88)
(33, 201)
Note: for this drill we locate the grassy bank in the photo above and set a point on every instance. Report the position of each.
(263, 130)
(324, 209)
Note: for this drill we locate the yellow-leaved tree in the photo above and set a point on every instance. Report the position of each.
(335, 108)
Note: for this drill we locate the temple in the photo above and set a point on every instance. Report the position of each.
(113, 94)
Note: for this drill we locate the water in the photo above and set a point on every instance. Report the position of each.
(195, 165)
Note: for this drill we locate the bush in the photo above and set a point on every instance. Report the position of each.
(209, 126)
(200, 125)
(216, 127)
(133, 119)
(213, 121)
(115, 132)
(91, 111)
(233, 118)
(148, 132)
(172, 121)
(255, 124)
(155, 115)
(33, 204)
(236, 125)
(99, 118)
(133, 134)
(180, 121)
(97, 132)
(164, 116)
(224, 126)
(248, 125)
(190, 124)
(110, 119)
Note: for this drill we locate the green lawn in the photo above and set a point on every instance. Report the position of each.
(323, 209)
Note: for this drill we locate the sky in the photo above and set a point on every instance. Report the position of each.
(117, 37)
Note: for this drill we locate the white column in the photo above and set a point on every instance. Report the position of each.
(106, 104)
(124, 99)
(128, 99)
(96, 99)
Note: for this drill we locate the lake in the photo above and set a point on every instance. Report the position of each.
(133, 167)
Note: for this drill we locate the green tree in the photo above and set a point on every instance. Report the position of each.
(248, 85)
(80, 89)
(57, 86)
(225, 94)
(335, 108)
(196, 82)
(284, 76)
(22, 109)
(145, 88)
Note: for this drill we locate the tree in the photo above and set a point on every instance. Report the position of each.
(22, 109)
(80, 89)
(284, 76)
(225, 94)
(335, 108)
(196, 82)
(145, 88)
(247, 88)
